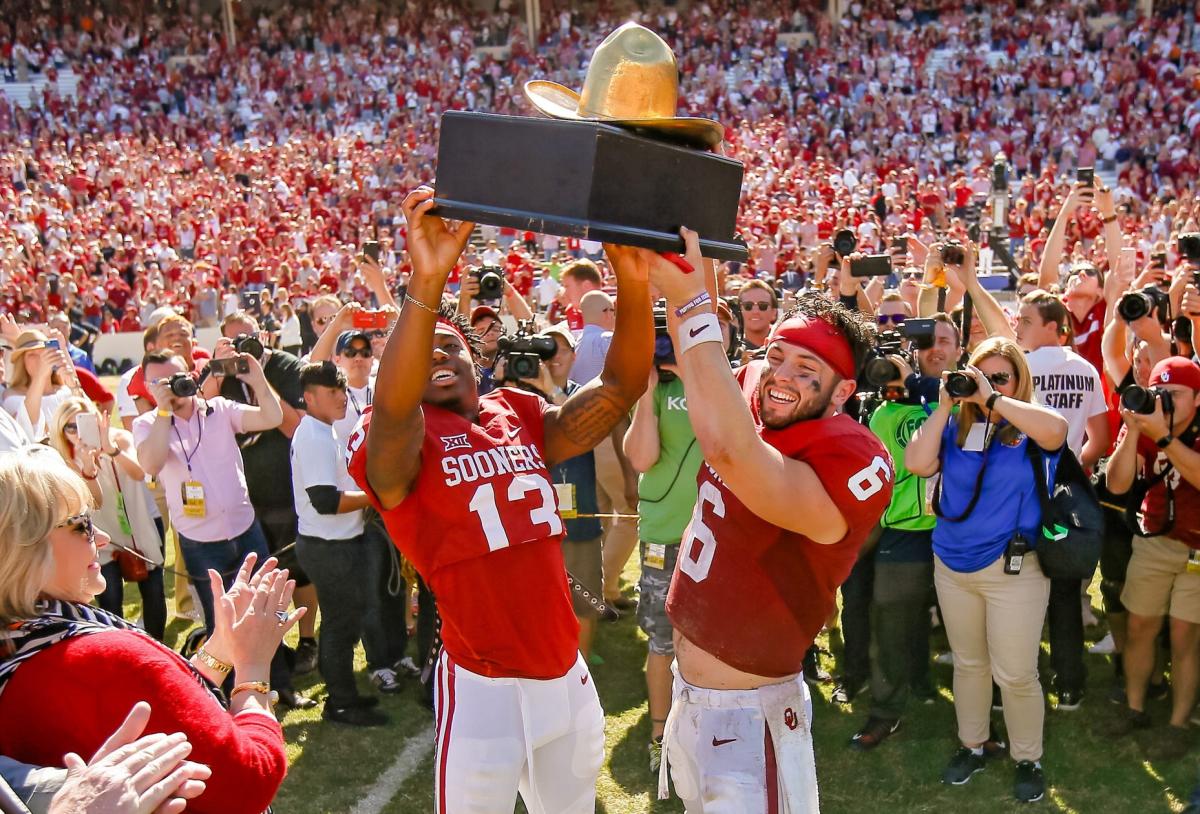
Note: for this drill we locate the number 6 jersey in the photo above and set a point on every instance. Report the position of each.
(755, 595)
(481, 526)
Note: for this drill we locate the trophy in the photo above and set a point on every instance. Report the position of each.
(613, 163)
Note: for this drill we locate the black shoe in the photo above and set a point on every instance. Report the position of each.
(813, 673)
(963, 766)
(291, 698)
(875, 732)
(1069, 700)
(609, 614)
(1126, 723)
(354, 715)
(1029, 785)
(306, 657)
(847, 689)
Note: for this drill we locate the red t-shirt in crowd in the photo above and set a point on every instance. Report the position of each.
(1187, 497)
(74, 694)
(752, 594)
(482, 518)
(1088, 333)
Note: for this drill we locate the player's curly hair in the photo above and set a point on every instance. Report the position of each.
(858, 330)
(450, 313)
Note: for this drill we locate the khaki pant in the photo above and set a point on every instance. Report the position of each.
(185, 607)
(994, 623)
(620, 536)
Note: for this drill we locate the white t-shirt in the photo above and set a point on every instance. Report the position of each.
(1068, 384)
(317, 460)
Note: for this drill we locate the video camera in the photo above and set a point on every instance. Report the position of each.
(879, 369)
(524, 352)
(664, 349)
(491, 282)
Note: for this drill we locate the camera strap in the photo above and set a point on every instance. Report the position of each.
(978, 488)
(1134, 506)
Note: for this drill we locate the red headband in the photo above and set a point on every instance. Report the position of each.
(821, 338)
(446, 326)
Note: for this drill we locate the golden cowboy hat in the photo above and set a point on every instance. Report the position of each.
(632, 81)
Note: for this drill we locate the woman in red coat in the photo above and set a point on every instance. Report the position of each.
(69, 672)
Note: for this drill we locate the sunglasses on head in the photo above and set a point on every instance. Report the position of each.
(761, 306)
(896, 319)
(80, 524)
(357, 353)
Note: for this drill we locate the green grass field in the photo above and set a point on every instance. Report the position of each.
(332, 766)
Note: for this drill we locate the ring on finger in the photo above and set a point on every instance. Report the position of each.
(282, 616)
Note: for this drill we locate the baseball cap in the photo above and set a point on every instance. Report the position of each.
(346, 337)
(563, 330)
(1176, 370)
(481, 311)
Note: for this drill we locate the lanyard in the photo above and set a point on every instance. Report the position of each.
(353, 401)
(187, 456)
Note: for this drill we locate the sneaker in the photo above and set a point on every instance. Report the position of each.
(354, 715)
(1104, 647)
(875, 732)
(407, 667)
(1029, 785)
(945, 657)
(813, 673)
(385, 681)
(1171, 743)
(963, 766)
(1126, 723)
(306, 657)
(655, 749)
(847, 689)
(290, 698)
(1069, 700)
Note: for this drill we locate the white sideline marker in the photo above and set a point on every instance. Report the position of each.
(388, 783)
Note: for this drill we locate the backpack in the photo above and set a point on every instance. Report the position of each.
(1072, 531)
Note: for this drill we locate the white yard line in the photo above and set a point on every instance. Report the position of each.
(388, 783)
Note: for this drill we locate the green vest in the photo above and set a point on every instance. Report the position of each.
(667, 491)
(895, 424)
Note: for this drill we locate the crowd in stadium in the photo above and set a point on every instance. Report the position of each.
(265, 190)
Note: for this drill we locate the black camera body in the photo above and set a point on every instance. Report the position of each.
(1141, 400)
(182, 385)
(1189, 246)
(1137, 304)
(879, 370)
(249, 345)
(959, 385)
(953, 253)
(491, 282)
(524, 352)
(844, 242)
(664, 349)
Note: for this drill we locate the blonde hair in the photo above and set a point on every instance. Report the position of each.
(969, 413)
(21, 378)
(62, 416)
(38, 491)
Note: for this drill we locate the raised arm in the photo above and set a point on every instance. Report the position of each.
(1052, 254)
(397, 426)
(987, 309)
(642, 444)
(590, 414)
(267, 414)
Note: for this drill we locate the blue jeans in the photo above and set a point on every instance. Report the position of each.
(154, 600)
(224, 557)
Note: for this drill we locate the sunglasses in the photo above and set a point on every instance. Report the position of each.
(896, 319)
(71, 428)
(1000, 379)
(376, 334)
(357, 353)
(761, 306)
(80, 524)
(323, 320)
(1087, 271)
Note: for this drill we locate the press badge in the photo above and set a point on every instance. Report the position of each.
(1193, 564)
(193, 499)
(976, 438)
(565, 492)
(656, 555)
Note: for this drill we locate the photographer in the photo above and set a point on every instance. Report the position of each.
(992, 593)
(902, 560)
(760, 309)
(1157, 463)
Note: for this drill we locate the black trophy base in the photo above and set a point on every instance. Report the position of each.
(586, 180)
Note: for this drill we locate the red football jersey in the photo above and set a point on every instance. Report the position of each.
(755, 595)
(481, 526)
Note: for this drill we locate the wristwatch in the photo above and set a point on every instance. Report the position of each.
(1165, 441)
(992, 399)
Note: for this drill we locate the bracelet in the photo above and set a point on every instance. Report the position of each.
(698, 330)
(1108, 220)
(86, 476)
(694, 302)
(1165, 441)
(992, 399)
(255, 686)
(161, 413)
(212, 662)
(409, 298)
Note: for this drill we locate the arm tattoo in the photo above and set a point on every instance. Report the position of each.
(588, 417)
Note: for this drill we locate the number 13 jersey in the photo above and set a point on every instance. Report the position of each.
(481, 526)
(753, 594)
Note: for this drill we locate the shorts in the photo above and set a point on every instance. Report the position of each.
(1158, 582)
(586, 566)
(740, 750)
(652, 600)
(279, 526)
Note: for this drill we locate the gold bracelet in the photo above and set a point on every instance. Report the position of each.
(409, 298)
(212, 662)
(256, 686)
(161, 413)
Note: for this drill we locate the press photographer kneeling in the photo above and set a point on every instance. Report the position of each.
(991, 589)
(1157, 459)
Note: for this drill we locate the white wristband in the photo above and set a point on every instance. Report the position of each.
(699, 329)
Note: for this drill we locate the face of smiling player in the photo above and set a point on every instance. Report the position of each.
(452, 385)
(799, 385)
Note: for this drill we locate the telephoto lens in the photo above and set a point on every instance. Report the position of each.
(1141, 400)
(1133, 306)
(182, 385)
(245, 343)
(880, 370)
(960, 385)
(844, 242)
(491, 283)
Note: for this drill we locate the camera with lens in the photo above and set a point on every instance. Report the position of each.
(959, 385)
(1189, 246)
(953, 253)
(491, 282)
(249, 345)
(879, 369)
(182, 385)
(1150, 300)
(524, 352)
(844, 242)
(664, 349)
(1138, 399)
